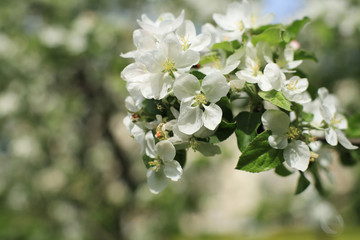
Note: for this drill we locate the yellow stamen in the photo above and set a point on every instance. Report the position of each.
(155, 165)
(199, 99)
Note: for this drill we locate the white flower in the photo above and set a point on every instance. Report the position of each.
(286, 59)
(186, 34)
(273, 78)
(334, 120)
(252, 72)
(296, 153)
(294, 90)
(222, 64)
(163, 166)
(238, 18)
(198, 106)
(165, 23)
(153, 74)
(215, 33)
(143, 42)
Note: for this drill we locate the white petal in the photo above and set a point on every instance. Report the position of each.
(143, 40)
(264, 84)
(344, 141)
(187, 30)
(293, 64)
(150, 145)
(224, 22)
(297, 155)
(186, 59)
(340, 121)
(173, 170)
(289, 53)
(331, 137)
(165, 150)
(201, 42)
(134, 72)
(230, 67)
(153, 60)
(157, 181)
(278, 141)
(248, 76)
(212, 116)
(156, 85)
(190, 119)
(272, 76)
(276, 121)
(323, 93)
(325, 113)
(214, 86)
(187, 85)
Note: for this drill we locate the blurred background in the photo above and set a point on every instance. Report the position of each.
(70, 170)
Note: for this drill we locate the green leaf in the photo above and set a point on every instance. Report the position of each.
(302, 185)
(272, 35)
(259, 156)
(223, 131)
(198, 75)
(151, 107)
(227, 46)
(181, 157)
(208, 58)
(261, 29)
(304, 55)
(281, 170)
(246, 125)
(294, 28)
(276, 98)
(307, 117)
(313, 168)
(225, 105)
(248, 122)
(354, 126)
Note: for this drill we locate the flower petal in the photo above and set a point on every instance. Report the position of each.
(150, 144)
(212, 116)
(190, 119)
(214, 86)
(156, 180)
(201, 42)
(331, 137)
(156, 85)
(173, 170)
(276, 121)
(297, 155)
(187, 85)
(344, 141)
(165, 150)
(278, 141)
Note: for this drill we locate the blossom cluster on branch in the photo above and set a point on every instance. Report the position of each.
(185, 86)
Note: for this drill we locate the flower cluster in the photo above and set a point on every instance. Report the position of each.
(183, 84)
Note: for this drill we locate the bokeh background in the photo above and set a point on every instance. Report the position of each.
(70, 170)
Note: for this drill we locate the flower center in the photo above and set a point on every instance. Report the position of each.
(161, 132)
(292, 85)
(241, 25)
(185, 42)
(199, 100)
(335, 120)
(256, 67)
(155, 164)
(169, 65)
(135, 117)
(293, 133)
